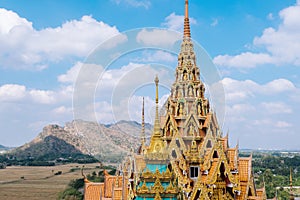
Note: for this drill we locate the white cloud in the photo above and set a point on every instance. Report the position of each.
(238, 109)
(276, 107)
(255, 110)
(244, 60)
(215, 22)
(270, 16)
(113, 88)
(12, 92)
(282, 124)
(135, 3)
(281, 44)
(175, 22)
(19, 93)
(241, 90)
(158, 37)
(10, 20)
(42, 96)
(71, 74)
(271, 123)
(62, 110)
(157, 56)
(129, 108)
(116, 84)
(23, 47)
(278, 86)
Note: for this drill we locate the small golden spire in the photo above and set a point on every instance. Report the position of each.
(156, 123)
(187, 30)
(291, 178)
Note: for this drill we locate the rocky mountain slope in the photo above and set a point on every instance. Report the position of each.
(107, 142)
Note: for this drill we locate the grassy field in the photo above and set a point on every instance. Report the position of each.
(32, 183)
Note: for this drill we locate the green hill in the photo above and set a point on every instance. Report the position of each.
(49, 151)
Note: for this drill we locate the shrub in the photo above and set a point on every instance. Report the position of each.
(76, 184)
(58, 173)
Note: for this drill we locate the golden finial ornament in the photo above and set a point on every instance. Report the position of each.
(156, 123)
(187, 30)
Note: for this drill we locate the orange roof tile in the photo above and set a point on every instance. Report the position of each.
(92, 191)
(231, 157)
(212, 170)
(244, 165)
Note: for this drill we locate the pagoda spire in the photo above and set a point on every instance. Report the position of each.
(291, 185)
(156, 123)
(143, 136)
(187, 30)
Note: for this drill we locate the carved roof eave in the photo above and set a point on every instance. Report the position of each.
(222, 159)
(188, 119)
(251, 186)
(173, 144)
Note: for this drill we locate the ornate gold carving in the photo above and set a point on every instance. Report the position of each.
(157, 196)
(143, 189)
(170, 188)
(157, 187)
(147, 174)
(157, 174)
(167, 174)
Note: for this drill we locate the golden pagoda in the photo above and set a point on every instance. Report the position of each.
(187, 157)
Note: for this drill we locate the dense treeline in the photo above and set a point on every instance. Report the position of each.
(277, 164)
(47, 159)
(273, 171)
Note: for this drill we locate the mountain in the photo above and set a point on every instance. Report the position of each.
(49, 148)
(4, 149)
(107, 142)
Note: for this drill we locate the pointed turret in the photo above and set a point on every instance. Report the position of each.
(157, 145)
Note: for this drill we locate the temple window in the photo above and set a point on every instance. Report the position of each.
(249, 192)
(208, 145)
(174, 155)
(177, 142)
(215, 154)
(194, 172)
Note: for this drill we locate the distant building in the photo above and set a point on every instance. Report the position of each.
(187, 158)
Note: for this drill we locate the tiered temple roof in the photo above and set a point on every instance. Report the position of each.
(188, 157)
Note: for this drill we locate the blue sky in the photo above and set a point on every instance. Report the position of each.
(254, 44)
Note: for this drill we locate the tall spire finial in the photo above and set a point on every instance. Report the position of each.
(143, 137)
(156, 80)
(156, 123)
(186, 31)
